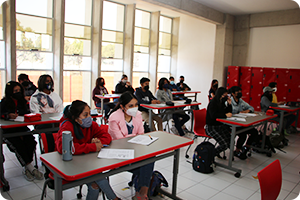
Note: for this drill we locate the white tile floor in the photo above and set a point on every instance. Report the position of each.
(191, 185)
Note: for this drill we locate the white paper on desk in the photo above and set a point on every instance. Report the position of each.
(143, 139)
(237, 119)
(248, 114)
(19, 119)
(283, 106)
(239, 115)
(55, 118)
(116, 153)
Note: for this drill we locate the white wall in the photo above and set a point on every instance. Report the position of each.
(277, 47)
(196, 55)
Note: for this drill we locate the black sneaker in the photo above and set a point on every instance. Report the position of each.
(240, 155)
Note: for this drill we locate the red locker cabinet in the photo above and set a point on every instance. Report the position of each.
(294, 85)
(245, 82)
(256, 87)
(233, 75)
(269, 76)
(282, 80)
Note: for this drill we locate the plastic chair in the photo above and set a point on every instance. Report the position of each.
(199, 123)
(270, 180)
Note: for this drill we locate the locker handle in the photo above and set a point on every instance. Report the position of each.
(252, 74)
(277, 76)
(291, 77)
(289, 90)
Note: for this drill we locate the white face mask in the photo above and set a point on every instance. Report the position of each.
(124, 81)
(275, 89)
(132, 111)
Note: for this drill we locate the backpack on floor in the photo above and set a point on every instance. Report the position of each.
(157, 180)
(204, 158)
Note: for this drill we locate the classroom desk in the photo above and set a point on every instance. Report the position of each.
(4, 124)
(187, 92)
(289, 110)
(107, 96)
(250, 122)
(86, 168)
(162, 106)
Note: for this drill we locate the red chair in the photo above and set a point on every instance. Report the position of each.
(199, 123)
(270, 180)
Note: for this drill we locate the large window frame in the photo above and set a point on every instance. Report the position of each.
(2, 52)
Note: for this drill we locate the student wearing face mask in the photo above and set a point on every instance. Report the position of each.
(163, 94)
(273, 85)
(100, 89)
(173, 86)
(145, 96)
(219, 107)
(29, 87)
(182, 85)
(240, 106)
(213, 88)
(87, 137)
(13, 105)
(266, 102)
(123, 86)
(126, 121)
(52, 99)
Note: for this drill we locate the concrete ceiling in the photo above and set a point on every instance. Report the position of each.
(242, 7)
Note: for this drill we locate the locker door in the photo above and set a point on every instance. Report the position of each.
(233, 73)
(269, 76)
(256, 87)
(294, 85)
(282, 79)
(245, 82)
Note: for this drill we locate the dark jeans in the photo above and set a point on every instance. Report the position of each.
(144, 174)
(180, 122)
(288, 120)
(253, 136)
(106, 107)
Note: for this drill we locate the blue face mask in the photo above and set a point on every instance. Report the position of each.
(172, 82)
(87, 122)
(166, 86)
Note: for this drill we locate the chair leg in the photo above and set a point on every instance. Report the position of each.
(44, 191)
(35, 159)
(79, 195)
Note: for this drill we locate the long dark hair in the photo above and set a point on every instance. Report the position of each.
(268, 95)
(124, 99)
(73, 111)
(42, 80)
(161, 83)
(220, 91)
(98, 82)
(9, 90)
(212, 84)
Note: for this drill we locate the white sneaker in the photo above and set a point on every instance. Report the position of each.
(174, 130)
(37, 174)
(27, 175)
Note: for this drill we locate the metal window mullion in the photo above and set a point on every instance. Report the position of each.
(29, 15)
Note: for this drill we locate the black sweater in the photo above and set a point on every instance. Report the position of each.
(216, 110)
(144, 98)
(120, 88)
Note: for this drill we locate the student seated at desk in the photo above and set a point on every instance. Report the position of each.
(126, 121)
(145, 96)
(240, 106)
(45, 100)
(13, 105)
(87, 137)
(213, 89)
(100, 89)
(163, 94)
(29, 87)
(123, 86)
(219, 107)
(266, 102)
(182, 86)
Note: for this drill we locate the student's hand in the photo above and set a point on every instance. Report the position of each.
(174, 89)
(99, 146)
(95, 140)
(157, 101)
(281, 103)
(245, 111)
(228, 114)
(229, 101)
(27, 98)
(12, 116)
(128, 83)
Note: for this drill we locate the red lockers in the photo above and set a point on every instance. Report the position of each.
(233, 75)
(256, 87)
(245, 82)
(293, 85)
(282, 80)
(269, 76)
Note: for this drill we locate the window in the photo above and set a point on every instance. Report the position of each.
(165, 43)
(34, 33)
(141, 46)
(2, 56)
(112, 43)
(77, 51)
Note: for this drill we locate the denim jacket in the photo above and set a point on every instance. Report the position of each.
(240, 106)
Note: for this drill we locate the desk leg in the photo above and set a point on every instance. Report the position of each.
(58, 187)
(195, 96)
(175, 172)
(3, 180)
(281, 121)
(150, 119)
(102, 118)
(233, 133)
(297, 117)
(192, 122)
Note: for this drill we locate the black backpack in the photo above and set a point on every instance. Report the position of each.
(204, 158)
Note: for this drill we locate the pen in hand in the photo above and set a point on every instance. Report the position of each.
(150, 137)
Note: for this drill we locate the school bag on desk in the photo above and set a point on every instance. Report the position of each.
(204, 158)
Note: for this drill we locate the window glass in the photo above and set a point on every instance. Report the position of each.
(141, 49)
(141, 62)
(2, 54)
(164, 63)
(112, 65)
(78, 11)
(77, 46)
(76, 31)
(113, 16)
(161, 75)
(112, 50)
(141, 36)
(35, 7)
(111, 80)
(165, 24)
(142, 19)
(136, 77)
(164, 52)
(164, 40)
(34, 60)
(3, 82)
(112, 36)
(1, 24)
(77, 63)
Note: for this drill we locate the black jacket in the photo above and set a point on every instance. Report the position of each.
(144, 98)
(216, 110)
(120, 88)
(184, 86)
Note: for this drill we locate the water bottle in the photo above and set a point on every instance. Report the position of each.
(67, 141)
